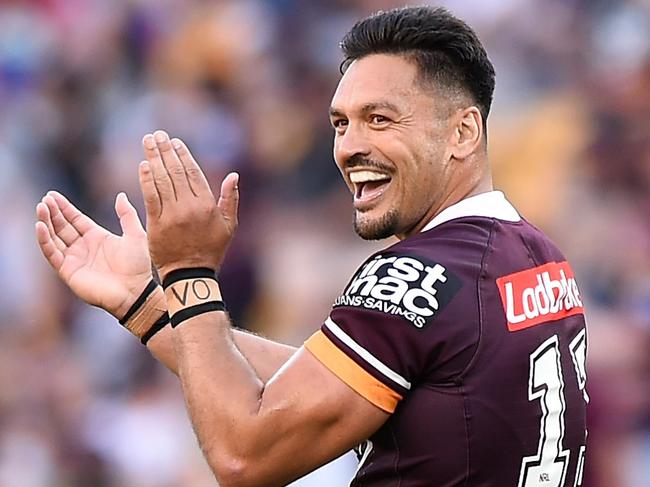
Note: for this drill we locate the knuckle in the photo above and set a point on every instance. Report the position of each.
(193, 172)
(177, 170)
(161, 181)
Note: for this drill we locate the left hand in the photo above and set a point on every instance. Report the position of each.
(103, 269)
(186, 227)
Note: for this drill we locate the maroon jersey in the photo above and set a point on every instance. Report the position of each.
(472, 334)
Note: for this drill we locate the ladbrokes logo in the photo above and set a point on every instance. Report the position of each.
(413, 288)
(545, 293)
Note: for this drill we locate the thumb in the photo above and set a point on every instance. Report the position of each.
(129, 220)
(229, 198)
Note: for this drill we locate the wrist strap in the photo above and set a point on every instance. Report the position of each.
(155, 328)
(191, 292)
(148, 308)
(188, 273)
(151, 287)
(187, 313)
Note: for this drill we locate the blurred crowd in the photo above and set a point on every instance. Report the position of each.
(247, 83)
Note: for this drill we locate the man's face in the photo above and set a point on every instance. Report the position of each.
(390, 145)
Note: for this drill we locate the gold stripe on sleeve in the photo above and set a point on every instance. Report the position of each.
(351, 373)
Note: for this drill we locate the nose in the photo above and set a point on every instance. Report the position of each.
(352, 142)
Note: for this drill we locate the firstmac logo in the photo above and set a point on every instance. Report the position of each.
(538, 295)
(407, 286)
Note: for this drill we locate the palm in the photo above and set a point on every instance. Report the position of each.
(106, 270)
(102, 268)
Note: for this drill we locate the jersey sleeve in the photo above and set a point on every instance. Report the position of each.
(383, 332)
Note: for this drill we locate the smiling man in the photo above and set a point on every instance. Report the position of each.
(455, 357)
(392, 130)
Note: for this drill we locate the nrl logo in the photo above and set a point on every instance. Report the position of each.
(413, 288)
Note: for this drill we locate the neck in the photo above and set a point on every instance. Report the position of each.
(481, 184)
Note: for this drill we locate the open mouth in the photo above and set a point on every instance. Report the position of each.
(368, 185)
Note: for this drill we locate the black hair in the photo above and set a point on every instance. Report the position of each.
(446, 50)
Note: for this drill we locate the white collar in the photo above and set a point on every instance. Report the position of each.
(492, 204)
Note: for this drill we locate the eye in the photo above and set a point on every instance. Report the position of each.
(379, 119)
(339, 124)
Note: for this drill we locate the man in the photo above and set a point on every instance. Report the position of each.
(458, 353)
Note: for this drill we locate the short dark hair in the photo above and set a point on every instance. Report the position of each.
(446, 50)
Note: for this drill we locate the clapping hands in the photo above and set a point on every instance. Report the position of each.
(186, 227)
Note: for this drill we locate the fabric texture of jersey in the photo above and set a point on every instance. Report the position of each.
(472, 335)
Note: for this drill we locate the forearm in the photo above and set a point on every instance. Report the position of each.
(265, 356)
(222, 392)
(253, 432)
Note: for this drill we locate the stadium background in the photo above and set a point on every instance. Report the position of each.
(247, 83)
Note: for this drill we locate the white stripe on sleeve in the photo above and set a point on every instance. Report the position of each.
(366, 355)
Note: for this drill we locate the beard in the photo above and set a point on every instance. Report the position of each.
(377, 229)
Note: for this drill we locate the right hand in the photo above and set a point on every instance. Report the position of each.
(101, 268)
(186, 226)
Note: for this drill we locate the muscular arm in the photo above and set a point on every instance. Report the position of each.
(265, 356)
(253, 432)
(257, 420)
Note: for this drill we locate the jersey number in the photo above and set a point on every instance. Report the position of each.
(548, 467)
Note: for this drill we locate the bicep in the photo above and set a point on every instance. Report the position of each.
(311, 417)
(266, 356)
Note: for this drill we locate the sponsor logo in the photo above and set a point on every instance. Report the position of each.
(413, 288)
(539, 295)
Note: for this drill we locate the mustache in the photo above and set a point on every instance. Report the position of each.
(358, 160)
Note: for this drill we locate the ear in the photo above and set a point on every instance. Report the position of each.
(467, 133)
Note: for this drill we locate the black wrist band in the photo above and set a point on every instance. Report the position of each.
(188, 273)
(155, 328)
(151, 287)
(187, 313)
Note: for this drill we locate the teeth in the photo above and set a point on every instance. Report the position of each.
(365, 176)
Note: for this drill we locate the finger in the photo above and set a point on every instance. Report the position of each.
(43, 215)
(197, 180)
(229, 198)
(152, 203)
(62, 228)
(172, 163)
(129, 220)
(49, 249)
(163, 184)
(81, 222)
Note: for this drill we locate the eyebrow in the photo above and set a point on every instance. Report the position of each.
(366, 108)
